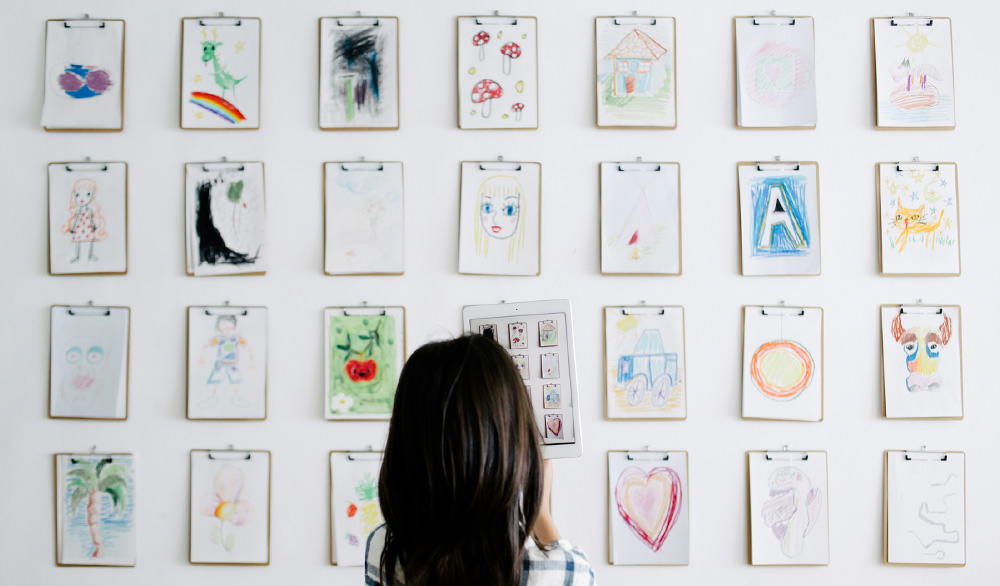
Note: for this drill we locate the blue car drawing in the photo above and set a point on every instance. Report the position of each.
(648, 366)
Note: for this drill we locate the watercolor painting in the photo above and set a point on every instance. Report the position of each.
(220, 73)
(230, 504)
(89, 362)
(87, 218)
(640, 218)
(914, 79)
(500, 209)
(644, 350)
(359, 68)
(497, 72)
(354, 504)
(789, 522)
(83, 75)
(918, 219)
(926, 508)
(364, 356)
(636, 78)
(95, 509)
(779, 219)
(227, 219)
(648, 508)
(922, 361)
(227, 363)
(364, 218)
(775, 70)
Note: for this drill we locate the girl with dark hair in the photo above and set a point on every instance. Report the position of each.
(463, 484)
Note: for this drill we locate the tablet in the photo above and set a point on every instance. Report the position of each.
(539, 337)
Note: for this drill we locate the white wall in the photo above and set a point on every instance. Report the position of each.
(570, 148)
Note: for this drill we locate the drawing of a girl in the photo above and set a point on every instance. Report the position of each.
(85, 224)
(500, 209)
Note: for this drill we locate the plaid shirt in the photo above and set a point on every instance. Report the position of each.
(563, 565)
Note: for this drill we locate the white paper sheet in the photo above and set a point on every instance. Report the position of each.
(89, 362)
(918, 219)
(87, 218)
(925, 497)
(497, 72)
(83, 74)
(227, 363)
(922, 362)
(775, 72)
(364, 218)
(640, 218)
(914, 77)
(220, 73)
(636, 72)
(779, 219)
(358, 72)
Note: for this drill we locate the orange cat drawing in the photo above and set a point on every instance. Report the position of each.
(913, 222)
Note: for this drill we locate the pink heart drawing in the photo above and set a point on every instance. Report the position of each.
(773, 70)
(555, 425)
(649, 503)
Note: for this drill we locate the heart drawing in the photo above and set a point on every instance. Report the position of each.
(554, 423)
(773, 70)
(649, 503)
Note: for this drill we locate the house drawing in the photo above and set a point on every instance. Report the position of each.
(633, 64)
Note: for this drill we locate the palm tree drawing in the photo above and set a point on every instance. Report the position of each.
(90, 481)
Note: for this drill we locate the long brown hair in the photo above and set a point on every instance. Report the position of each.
(461, 481)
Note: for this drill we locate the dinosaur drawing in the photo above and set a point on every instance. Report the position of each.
(212, 248)
(223, 78)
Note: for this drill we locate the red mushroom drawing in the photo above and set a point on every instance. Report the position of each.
(509, 51)
(479, 40)
(483, 92)
(516, 109)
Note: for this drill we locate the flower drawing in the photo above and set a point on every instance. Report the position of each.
(225, 505)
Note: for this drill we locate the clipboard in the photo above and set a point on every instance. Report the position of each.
(628, 46)
(357, 20)
(669, 367)
(92, 310)
(221, 20)
(220, 310)
(99, 167)
(672, 538)
(235, 455)
(350, 455)
(224, 165)
(793, 166)
(782, 392)
(491, 23)
(931, 167)
(770, 20)
(361, 166)
(921, 309)
(805, 487)
(361, 371)
(893, 20)
(59, 493)
(88, 22)
(640, 166)
(942, 491)
(512, 167)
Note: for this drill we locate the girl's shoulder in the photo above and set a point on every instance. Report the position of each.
(561, 563)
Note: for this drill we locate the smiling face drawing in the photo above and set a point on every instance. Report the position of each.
(500, 209)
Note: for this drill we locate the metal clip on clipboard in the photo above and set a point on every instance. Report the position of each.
(924, 456)
(779, 164)
(916, 164)
(773, 19)
(909, 16)
(85, 22)
(93, 452)
(921, 309)
(785, 455)
(363, 309)
(88, 310)
(358, 20)
(500, 165)
(364, 455)
(87, 165)
(229, 453)
(362, 165)
(646, 455)
(781, 310)
(224, 165)
(635, 19)
(638, 165)
(496, 18)
(220, 20)
(225, 310)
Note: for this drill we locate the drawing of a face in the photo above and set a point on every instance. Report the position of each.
(500, 206)
(83, 192)
(922, 346)
(208, 50)
(226, 324)
(83, 366)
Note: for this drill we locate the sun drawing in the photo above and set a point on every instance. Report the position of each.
(918, 41)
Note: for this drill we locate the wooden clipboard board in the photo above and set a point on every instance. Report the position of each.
(260, 67)
(188, 269)
(878, 221)
(343, 165)
(961, 366)
(49, 244)
(458, 69)
(58, 492)
(329, 500)
(736, 74)
(822, 357)
(191, 510)
(686, 497)
(604, 351)
(128, 359)
(885, 513)
(951, 48)
(320, 73)
(597, 58)
(187, 364)
(819, 213)
(121, 89)
(600, 214)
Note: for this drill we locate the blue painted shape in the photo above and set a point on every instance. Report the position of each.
(793, 200)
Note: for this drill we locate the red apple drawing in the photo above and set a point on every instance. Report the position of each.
(361, 370)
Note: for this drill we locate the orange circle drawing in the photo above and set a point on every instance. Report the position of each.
(781, 370)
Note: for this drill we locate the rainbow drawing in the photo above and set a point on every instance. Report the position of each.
(218, 106)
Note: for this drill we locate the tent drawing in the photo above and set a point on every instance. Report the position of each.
(633, 64)
(638, 228)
